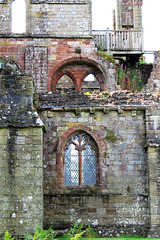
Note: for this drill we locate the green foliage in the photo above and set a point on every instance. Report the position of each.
(99, 46)
(87, 93)
(129, 77)
(110, 136)
(107, 56)
(41, 234)
(90, 233)
(106, 154)
(28, 236)
(7, 236)
(75, 229)
(77, 236)
(63, 91)
(142, 63)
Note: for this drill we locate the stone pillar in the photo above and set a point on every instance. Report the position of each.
(21, 191)
(21, 143)
(153, 152)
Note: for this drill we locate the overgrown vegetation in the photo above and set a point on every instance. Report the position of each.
(7, 236)
(76, 232)
(129, 77)
(41, 234)
(107, 56)
(110, 136)
(75, 229)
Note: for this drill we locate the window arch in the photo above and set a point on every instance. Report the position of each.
(97, 143)
(18, 12)
(81, 156)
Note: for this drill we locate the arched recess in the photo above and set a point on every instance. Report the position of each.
(79, 67)
(101, 147)
(65, 82)
(18, 16)
(90, 84)
(66, 73)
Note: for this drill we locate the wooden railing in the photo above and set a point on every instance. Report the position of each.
(119, 40)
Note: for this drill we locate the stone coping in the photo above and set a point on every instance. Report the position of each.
(60, 99)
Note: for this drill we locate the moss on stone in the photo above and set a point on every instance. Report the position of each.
(110, 136)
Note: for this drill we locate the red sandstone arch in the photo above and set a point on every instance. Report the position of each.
(77, 68)
(69, 74)
(60, 152)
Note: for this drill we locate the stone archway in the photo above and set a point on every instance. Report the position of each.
(78, 68)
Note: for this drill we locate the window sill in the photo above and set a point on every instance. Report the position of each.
(81, 191)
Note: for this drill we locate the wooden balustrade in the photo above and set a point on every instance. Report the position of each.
(119, 40)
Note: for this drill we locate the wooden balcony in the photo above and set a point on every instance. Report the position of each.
(119, 42)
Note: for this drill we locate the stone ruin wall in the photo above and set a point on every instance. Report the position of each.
(37, 58)
(21, 138)
(129, 14)
(122, 202)
(45, 18)
(127, 196)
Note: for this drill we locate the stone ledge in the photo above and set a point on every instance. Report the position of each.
(26, 35)
(59, 1)
(82, 191)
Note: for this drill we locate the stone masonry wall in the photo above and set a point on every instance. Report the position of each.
(129, 14)
(153, 84)
(153, 158)
(5, 18)
(122, 204)
(21, 139)
(20, 179)
(40, 57)
(63, 19)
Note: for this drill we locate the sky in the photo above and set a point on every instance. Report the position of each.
(102, 19)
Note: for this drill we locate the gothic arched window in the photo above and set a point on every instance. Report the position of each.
(80, 160)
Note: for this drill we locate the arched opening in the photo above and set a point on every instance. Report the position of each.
(94, 142)
(80, 160)
(65, 82)
(18, 19)
(90, 82)
(78, 69)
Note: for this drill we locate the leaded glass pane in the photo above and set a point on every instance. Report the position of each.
(71, 166)
(88, 166)
(75, 139)
(80, 160)
(83, 139)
